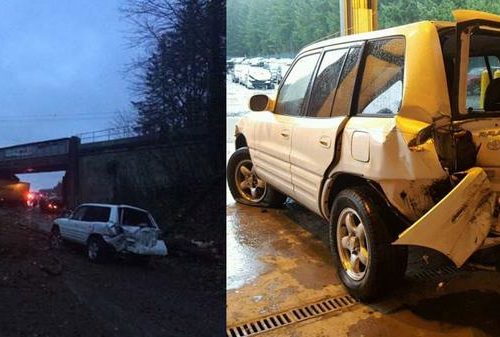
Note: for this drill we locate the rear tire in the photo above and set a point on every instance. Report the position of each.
(97, 250)
(246, 187)
(361, 233)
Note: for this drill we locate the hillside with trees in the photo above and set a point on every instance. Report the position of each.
(282, 27)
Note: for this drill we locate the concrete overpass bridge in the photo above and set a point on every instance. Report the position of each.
(51, 155)
(125, 170)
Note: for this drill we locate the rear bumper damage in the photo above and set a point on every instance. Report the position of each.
(459, 224)
(137, 243)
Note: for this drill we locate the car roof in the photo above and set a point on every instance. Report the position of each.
(398, 30)
(114, 205)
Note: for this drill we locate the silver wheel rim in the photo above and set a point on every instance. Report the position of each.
(352, 244)
(93, 250)
(249, 186)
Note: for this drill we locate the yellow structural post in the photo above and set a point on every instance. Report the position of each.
(485, 81)
(358, 16)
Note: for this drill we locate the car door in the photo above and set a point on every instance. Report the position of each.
(69, 227)
(314, 137)
(94, 220)
(82, 226)
(273, 130)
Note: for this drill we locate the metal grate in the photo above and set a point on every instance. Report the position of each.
(429, 274)
(295, 315)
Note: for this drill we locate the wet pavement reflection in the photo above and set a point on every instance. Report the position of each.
(278, 259)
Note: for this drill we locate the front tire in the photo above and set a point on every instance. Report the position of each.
(360, 239)
(246, 187)
(55, 239)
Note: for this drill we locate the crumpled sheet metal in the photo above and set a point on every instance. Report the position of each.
(138, 240)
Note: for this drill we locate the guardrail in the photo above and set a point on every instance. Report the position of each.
(194, 131)
(107, 134)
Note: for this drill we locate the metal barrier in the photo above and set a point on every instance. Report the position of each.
(107, 134)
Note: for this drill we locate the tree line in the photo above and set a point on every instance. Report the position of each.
(179, 77)
(283, 27)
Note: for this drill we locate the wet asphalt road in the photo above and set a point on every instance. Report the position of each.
(278, 259)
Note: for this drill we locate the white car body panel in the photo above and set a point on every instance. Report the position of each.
(312, 152)
(271, 149)
(458, 225)
(391, 162)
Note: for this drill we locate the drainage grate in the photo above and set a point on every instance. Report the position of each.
(429, 274)
(296, 315)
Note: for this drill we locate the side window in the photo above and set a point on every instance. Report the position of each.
(325, 84)
(79, 213)
(381, 88)
(292, 93)
(98, 214)
(133, 217)
(345, 87)
(478, 73)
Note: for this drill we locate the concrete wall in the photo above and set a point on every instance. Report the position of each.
(161, 177)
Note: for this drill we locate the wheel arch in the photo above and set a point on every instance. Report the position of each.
(240, 141)
(342, 180)
(94, 235)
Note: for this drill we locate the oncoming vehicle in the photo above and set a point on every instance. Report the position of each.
(378, 134)
(108, 229)
(51, 204)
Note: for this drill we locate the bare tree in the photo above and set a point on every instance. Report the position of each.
(180, 78)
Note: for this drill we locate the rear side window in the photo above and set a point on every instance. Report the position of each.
(345, 87)
(381, 88)
(325, 84)
(133, 217)
(293, 91)
(98, 214)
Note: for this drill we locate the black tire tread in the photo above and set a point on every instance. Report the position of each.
(388, 262)
(273, 197)
(104, 250)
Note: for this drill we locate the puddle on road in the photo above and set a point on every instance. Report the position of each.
(242, 262)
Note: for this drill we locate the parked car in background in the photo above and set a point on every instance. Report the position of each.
(378, 134)
(107, 229)
(257, 78)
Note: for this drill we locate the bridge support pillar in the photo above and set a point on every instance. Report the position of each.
(71, 179)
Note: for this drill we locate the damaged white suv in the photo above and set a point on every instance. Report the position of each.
(381, 134)
(106, 229)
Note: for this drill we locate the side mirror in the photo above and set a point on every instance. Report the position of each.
(261, 103)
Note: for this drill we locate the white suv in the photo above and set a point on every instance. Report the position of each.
(106, 229)
(378, 134)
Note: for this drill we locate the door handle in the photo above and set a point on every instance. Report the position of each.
(285, 133)
(325, 141)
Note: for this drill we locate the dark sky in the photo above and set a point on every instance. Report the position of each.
(61, 70)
